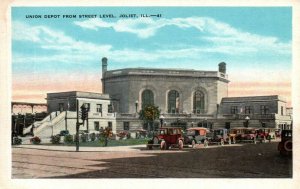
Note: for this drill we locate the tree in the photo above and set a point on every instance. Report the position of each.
(149, 113)
(107, 132)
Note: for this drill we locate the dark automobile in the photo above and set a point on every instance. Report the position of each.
(197, 135)
(219, 136)
(285, 146)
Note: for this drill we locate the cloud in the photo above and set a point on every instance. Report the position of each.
(63, 48)
(223, 37)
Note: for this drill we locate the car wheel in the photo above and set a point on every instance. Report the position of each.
(205, 143)
(163, 145)
(222, 142)
(180, 144)
(288, 145)
(193, 144)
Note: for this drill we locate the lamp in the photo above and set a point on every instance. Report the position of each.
(161, 118)
(247, 118)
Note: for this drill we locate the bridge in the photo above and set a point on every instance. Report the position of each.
(26, 104)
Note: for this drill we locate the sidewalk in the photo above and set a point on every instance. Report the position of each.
(84, 149)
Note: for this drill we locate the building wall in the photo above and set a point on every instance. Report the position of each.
(255, 102)
(128, 89)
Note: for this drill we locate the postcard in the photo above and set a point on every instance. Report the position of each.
(136, 95)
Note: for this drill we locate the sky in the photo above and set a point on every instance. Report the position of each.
(55, 54)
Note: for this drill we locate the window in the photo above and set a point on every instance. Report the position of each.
(147, 98)
(264, 109)
(198, 102)
(248, 110)
(281, 110)
(99, 108)
(126, 126)
(110, 108)
(173, 102)
(227, 125)
(110, 125)
(234, 109)
(96, 125)
(61, 107)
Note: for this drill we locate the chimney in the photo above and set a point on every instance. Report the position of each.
(222, 67)
(104, 65)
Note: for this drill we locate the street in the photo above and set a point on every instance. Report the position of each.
(235, 161)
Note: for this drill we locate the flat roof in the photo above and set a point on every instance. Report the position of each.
(253, 98)
(77, 94)
(164, 72)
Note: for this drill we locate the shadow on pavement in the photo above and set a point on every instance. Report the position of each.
(247, 161)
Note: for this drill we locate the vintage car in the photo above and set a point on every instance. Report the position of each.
(285, 146)
(167, 137)
(244, 134)
(196, 135)
(220, 136)
(264, 134)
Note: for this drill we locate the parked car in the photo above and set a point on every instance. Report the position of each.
(219, 136)
(244, 134)
(264, 134)
(285, 146)
(167, 137)
(196, 135)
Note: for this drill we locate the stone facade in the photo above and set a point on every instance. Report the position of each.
(63, 115)
(262, 111)
(127, 86)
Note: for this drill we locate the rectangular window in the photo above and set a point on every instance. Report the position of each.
(227, 125)
(110, 108)
(281, 110)
(248, 110)
(126, 126)
(234, 109)
(110, 125)
(96, 125)
(99, 108)
(61, 107)
(264, 109)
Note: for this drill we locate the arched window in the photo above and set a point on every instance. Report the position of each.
(147, 98)
(198, 103)
(173, 102)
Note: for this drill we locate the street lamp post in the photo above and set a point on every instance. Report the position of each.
(136, 105)
(247, 118)
(161, 118)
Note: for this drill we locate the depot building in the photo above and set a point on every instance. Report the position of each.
(188, 98)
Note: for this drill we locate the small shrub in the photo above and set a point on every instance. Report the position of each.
(68, 139)
(93, 136)
(35, 140)
(55, 139)
(17, 141)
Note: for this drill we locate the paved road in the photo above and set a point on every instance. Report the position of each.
(236, 161)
